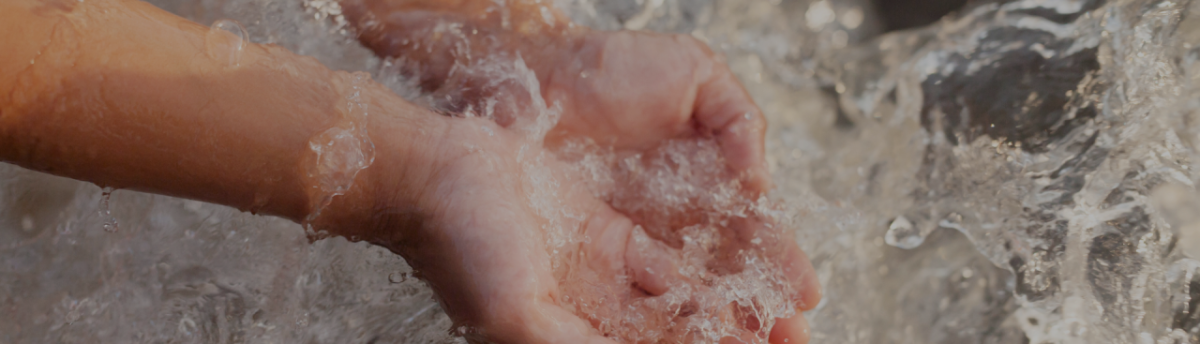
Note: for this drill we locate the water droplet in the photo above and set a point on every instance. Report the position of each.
(312, 234)
(902, 234)
(110, 221)
(225, 42)
(397, 278)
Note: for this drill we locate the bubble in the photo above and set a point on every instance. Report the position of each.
(225, 41)
(110, 221)
(903, 234)
(397, 278)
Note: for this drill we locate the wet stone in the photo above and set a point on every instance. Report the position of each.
(1114, 258)
(1037, 278)
(1187, 318)
(1019, 96)
(1066, 17)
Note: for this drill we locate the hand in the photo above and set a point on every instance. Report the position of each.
(635, 89)
(627, 89)
(496, 226)
(478, 212)
(630, 91)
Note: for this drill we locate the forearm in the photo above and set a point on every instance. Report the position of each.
(124, 95)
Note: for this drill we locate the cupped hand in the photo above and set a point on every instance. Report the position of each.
(634, 89)
(521, 251)
(627, 89)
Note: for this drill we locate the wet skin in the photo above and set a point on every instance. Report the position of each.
(124, 95)
(628, 89)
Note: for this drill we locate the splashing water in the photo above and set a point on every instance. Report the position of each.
(680, 180)
(341, 151)
(1020, 172)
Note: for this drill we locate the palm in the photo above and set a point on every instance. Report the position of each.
(517, 249)
(488, 245)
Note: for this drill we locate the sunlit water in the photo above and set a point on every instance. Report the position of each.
(1018, 173)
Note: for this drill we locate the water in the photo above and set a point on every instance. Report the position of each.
(1039, 153)
(110, 222)
(225, 41)
(902, 234)
(343, 150)
(681, 182)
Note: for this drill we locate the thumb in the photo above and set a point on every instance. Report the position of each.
(726, 110)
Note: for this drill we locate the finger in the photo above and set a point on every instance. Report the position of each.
(364, 16)
(794, 263)
(725, 109)
(793, 330)
(800, 272)
(650, 263)
(390, 30)
(607, 234)
(745, 229)
(356, 11)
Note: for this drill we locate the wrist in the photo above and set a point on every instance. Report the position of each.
(383, 203)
